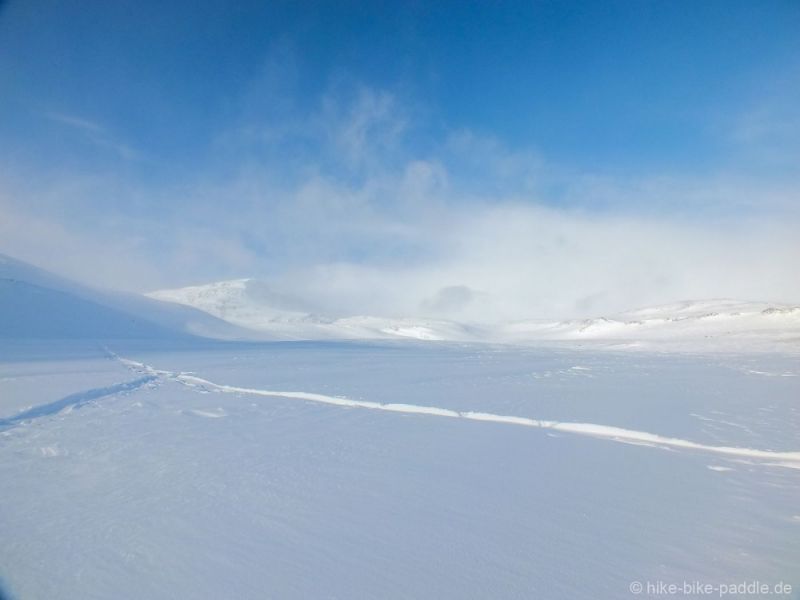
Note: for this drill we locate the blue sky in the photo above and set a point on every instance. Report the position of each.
(605, 85)
(150, 144)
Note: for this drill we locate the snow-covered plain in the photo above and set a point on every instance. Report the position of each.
(185, 470)
(138, 460)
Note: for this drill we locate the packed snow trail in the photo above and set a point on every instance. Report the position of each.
(626, 436)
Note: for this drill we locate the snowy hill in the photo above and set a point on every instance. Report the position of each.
(249, 304)
(37, 304)
(722, 321)
(244, 302)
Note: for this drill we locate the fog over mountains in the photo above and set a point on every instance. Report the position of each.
(38, 304)
(250, 304)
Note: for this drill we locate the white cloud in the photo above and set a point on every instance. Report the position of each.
(467, 229)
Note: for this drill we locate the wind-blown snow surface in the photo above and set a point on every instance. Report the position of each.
(404, 470)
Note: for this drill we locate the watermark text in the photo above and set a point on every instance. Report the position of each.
(712, 590)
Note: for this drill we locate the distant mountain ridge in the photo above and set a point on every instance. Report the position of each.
(692, 319)
(40, 305)
(711, 321)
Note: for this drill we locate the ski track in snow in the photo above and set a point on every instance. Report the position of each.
(75, 401)
(617, 434)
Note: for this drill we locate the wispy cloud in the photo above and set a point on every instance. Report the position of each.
(367, 127)
(94, 133)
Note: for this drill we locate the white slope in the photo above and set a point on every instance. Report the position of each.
(719, 322)
(40, 305)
